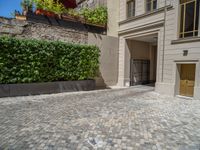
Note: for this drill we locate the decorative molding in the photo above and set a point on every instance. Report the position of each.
(185, 61)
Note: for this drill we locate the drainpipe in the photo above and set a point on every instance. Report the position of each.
(164, 30)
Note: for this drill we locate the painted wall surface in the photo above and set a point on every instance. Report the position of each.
(108, 45)
(113, 17)
(139, 50)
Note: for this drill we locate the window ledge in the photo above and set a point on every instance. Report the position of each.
(186, 40)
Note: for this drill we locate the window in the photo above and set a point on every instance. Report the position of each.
(130, 8)
(189, 18)
(151, 5)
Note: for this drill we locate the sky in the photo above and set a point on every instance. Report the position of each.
(9, 6)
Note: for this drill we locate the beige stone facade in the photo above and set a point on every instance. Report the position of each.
(157, 30)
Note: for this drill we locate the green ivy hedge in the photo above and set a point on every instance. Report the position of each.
(28, 61)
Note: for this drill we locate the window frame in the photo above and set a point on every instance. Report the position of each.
(152, 9)
(127, 10)
(181, 35)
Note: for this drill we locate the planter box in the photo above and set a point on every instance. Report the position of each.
(69, 18)
(20, 17)
(93, 24)
(24, 89)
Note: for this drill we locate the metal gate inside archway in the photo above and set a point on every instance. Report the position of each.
(139, 72)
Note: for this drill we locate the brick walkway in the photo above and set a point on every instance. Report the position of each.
(134, 118)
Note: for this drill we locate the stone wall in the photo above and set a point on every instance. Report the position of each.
(35, 30)
(108, 60)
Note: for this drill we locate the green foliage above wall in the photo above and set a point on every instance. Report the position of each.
(28, 61)
(98, 15)
(50, 5)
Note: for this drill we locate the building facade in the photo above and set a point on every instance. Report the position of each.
(159, 43)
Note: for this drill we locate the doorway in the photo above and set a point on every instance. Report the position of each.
(143, 63)
(187, 79)
(140, 72)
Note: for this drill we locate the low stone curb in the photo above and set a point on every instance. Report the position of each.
(9, 90)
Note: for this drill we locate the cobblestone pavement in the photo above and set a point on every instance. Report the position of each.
(133, 118)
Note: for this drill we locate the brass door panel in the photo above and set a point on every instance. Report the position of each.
(182, 87)
(187, 80)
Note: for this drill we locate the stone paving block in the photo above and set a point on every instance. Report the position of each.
(133, 118)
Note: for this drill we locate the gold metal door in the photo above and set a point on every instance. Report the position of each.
(187, 80)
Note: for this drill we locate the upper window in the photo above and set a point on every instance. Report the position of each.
(130, 8)
(151, 5)
(189, 18)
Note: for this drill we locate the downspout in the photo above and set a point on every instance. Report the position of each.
(164, 30)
